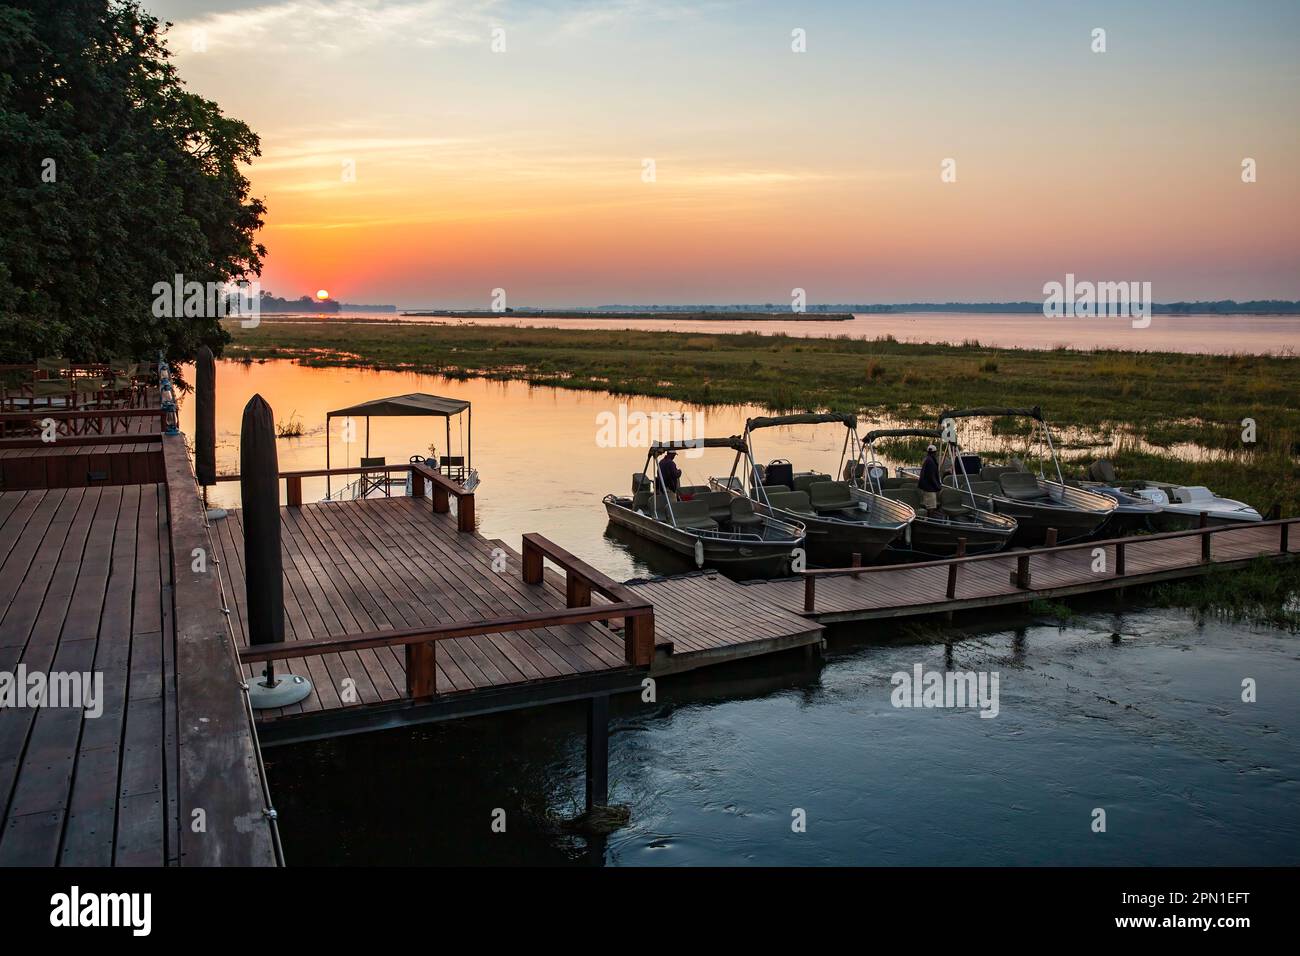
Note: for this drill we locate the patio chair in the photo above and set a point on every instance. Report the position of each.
(372, 480)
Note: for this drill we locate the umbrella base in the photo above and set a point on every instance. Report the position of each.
(288, 689)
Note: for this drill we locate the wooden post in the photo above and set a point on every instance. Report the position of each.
(532, 563)
(856, 561)
(577, 590)
(1205, 537)
(598, 751)
(293, 491)
(1119, 559)
(1284, 538)
(952, 569)
(809, 593)
(421, 670)
(639, 640)
(465, 514)
(417, 483)
(1049, 540)
(1020, 576)
(441, 501)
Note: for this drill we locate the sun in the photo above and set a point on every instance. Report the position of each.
(322, 294)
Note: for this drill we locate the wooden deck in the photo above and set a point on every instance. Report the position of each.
(387, 564)
(987, 580)
(83, 588)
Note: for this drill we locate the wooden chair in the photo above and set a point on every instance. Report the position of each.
(372, 480)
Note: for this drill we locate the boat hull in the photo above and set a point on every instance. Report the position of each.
(935, 538)
(750, 557)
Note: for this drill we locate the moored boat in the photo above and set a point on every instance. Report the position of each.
(715, 530)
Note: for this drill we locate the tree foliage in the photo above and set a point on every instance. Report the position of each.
(112, 178)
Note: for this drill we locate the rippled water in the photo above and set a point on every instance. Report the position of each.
(1148, 726)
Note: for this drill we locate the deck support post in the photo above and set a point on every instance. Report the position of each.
(856, 561)
(421, 670)
(577, 590)
(1119, 559)
(1049, 540)
(1020, 577)
(598, 751)
(809, 593)
(1284, 540)
(952, 572)
(639, 640)
(532, 563)
(293, 491)
(1205, 537)
(465, 514)
(441, 501)
(417, 483)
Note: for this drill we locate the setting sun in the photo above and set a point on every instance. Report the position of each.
(322, 294)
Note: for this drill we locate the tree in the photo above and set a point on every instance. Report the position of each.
(112, 178)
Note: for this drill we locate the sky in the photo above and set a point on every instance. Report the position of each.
(660, 152)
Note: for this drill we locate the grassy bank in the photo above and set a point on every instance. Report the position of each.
(1163, 398)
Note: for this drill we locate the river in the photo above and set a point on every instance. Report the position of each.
(1131, 711)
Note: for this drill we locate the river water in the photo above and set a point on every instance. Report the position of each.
(1130, 711)
(1209, 334)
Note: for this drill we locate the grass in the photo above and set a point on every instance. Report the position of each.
(1163, 398)
(1263, 593)
(291, 428)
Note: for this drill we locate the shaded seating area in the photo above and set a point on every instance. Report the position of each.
(54, 382)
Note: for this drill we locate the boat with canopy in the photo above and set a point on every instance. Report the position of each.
(841, 520)
(715, 531)
(1036, 501)
(935, 532)
(458, 468)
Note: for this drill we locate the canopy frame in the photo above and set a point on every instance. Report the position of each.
(413, 404)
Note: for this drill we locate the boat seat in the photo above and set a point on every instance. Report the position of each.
(805, 481)
(643, 501)
(776, 489)
(830, 496)
(693, 514)
(995, 472)
(640, 482)
(795, 501)
(953, 502)
(900, 482)
(908, 496)
(742, 514)
(1022, 486)
(719, 503)
(779, 473)
(692, 490)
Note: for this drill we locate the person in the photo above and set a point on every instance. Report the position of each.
(670, 475)
(929, 483)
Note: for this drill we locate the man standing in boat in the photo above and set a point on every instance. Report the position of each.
(670, 476)
(929, 483)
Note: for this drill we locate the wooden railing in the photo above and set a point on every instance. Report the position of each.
(1021, 576)
(75, 422)
(421, 642)
(443, 488)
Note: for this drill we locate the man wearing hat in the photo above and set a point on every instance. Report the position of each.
(929, 483)
(670, 475)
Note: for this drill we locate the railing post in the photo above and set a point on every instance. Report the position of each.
(417, 483)
(1284, 538)
(293, 491)
(856, 561)
(465, 513)
(441, 501)
(1119, 559)
(1205, 537)
(952, 569)
(809, 593)
(1049, 540)
(532, 563)
(639, 639)
(577, 590)
(421, 669)
(1020, 577)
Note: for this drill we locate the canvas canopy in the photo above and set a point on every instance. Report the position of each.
(416, 403)
(847, 420)
(735, 441)
(901, 433)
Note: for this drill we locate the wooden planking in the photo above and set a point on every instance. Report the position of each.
(389, 563)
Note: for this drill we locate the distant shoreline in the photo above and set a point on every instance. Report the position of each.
(667, 316)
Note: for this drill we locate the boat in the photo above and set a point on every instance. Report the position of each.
(1170, 507)
(840, 521)
(936, 532)
(715, 530)
(1037, 502)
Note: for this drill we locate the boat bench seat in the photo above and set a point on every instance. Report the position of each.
(995, 472)
(719, 503)
(908, 496)
(776, 489)
(808, 479)
(644, 501)
(1022, 486)
(954, 502)
(830, 496)
(742, 514)
(690, 491)
(693, 514)
(795, 501)
(903, 481)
